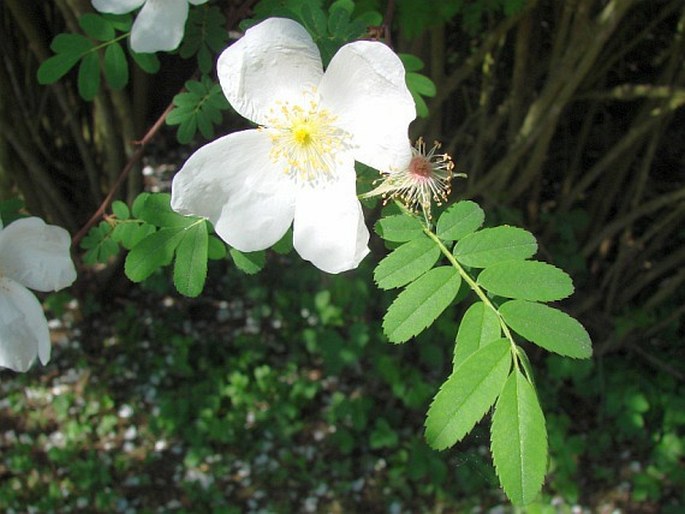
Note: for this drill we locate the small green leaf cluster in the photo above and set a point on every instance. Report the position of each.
(198, 108)
(340, 23)
(155, 236)
(99, 48)
(205, 35)
(490, 368)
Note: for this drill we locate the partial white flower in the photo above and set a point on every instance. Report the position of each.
(425, 177)
(32, 255)
(298, 166)
(158, 27)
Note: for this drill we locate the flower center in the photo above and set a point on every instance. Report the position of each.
(420, 167)
(425, 179)
(306, 141)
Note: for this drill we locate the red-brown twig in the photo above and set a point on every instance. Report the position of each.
(100, 212)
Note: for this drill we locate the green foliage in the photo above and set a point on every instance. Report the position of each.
(494, 245)
(415, 17)
(547, 327)
(526, 280)
(407, 263)
(10, 210)
(494, 263)
(419, 85)
(519, 440)
(479, 326)
(469, 392)
(199, 108)
(100, 36)
(204, 36)
(330, 29)
(421, 303)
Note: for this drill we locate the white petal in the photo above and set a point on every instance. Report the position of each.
(275, 60)
(198, 2)
(117, 6)
(23, 328)
(159, 26)
(364, 86)
(234, 183)
(36, 255)
(329, 227)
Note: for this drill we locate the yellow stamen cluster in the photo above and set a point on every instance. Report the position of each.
(306, 140)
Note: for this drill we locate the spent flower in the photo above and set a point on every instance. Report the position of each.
(424, 178)
(158, 27)
(32, 255)
(297, 167)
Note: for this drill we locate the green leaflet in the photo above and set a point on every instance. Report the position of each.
(399, 228)
(216, 249)
(526, 280)
(151, 253)
(406, 263)
(519, 440)
(492, 245)
(547, 327)
(156, 209)
(89, 76)
(190, 266)
(129, 234)
(467, 394)
(249, 263)
(97, 27)
(116, 66)
(459, 220)
(421, 303)
(479, 326)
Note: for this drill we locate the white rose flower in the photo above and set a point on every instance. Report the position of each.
(158, 27)
(298, 166)
(32, 255)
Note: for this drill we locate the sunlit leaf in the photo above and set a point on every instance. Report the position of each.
(467, 394)
(547, 327)
(526, 280)
(421, 303)
(519, 441)
(459, 220)
(479, 326)
(152, 253)
(406, 263)
(492, 245)
(399, 228)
